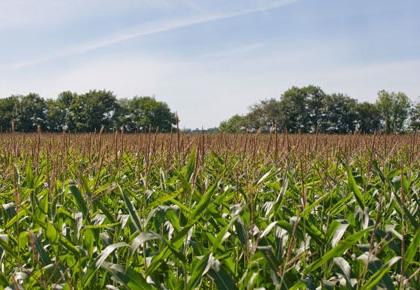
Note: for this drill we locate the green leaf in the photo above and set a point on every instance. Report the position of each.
(310, 206)
(377, 277)
(197, 272)
(241, 232)
(4, 244)
(129, 278)
(355, 189)
(269, 255)
(400, 205)
(222, 278)
(300, 285)
(131, 210)
(412, 250)
(21, 213)
(144, 237)
(264, 177)
(204, 202)
(108, 251)
(43, 255)
(219, 238)
(51, 233)
(23, 240)
(80, 201)
(338, 250)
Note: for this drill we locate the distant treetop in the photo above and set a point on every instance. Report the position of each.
(298, 110)
(88, 112)
(309, 109)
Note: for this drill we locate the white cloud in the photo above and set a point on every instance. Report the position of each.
(206, 91)
(206, 88)
(150, 29)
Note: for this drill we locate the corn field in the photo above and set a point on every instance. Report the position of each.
(203, 211)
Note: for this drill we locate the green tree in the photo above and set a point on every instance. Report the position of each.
(368, 118)
(66, 111)
(394, 110)
(8, 113)
(235, 124)
(265, 115)
(144, 113)
(415, 117)
(302, 109)
(339, 114)
(92, 111)
(56, 116)
(294, 115)
(315, 105)
(100, 108)
(31, 111)
(88, 112)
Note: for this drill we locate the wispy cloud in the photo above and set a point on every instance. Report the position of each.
(207, 92)
(150, 29)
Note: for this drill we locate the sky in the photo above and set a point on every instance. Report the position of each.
(209, 59)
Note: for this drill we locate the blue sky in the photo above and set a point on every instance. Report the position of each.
(209, 59)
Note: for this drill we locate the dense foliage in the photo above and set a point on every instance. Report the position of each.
(299, 110)
(309, 109)
(152, 211)
(89, 112)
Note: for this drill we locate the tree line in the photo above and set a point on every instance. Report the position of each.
(299, 109)
(309, 109)
(96, 110)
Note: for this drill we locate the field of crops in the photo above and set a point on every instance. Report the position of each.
(177, 211)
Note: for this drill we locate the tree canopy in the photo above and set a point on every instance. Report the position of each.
(92, 111)
(309, 109)
(298, 110)
(143, 114)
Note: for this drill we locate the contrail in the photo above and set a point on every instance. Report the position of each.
(150, 30)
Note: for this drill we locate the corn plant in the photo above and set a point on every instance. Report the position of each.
(176, 211)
